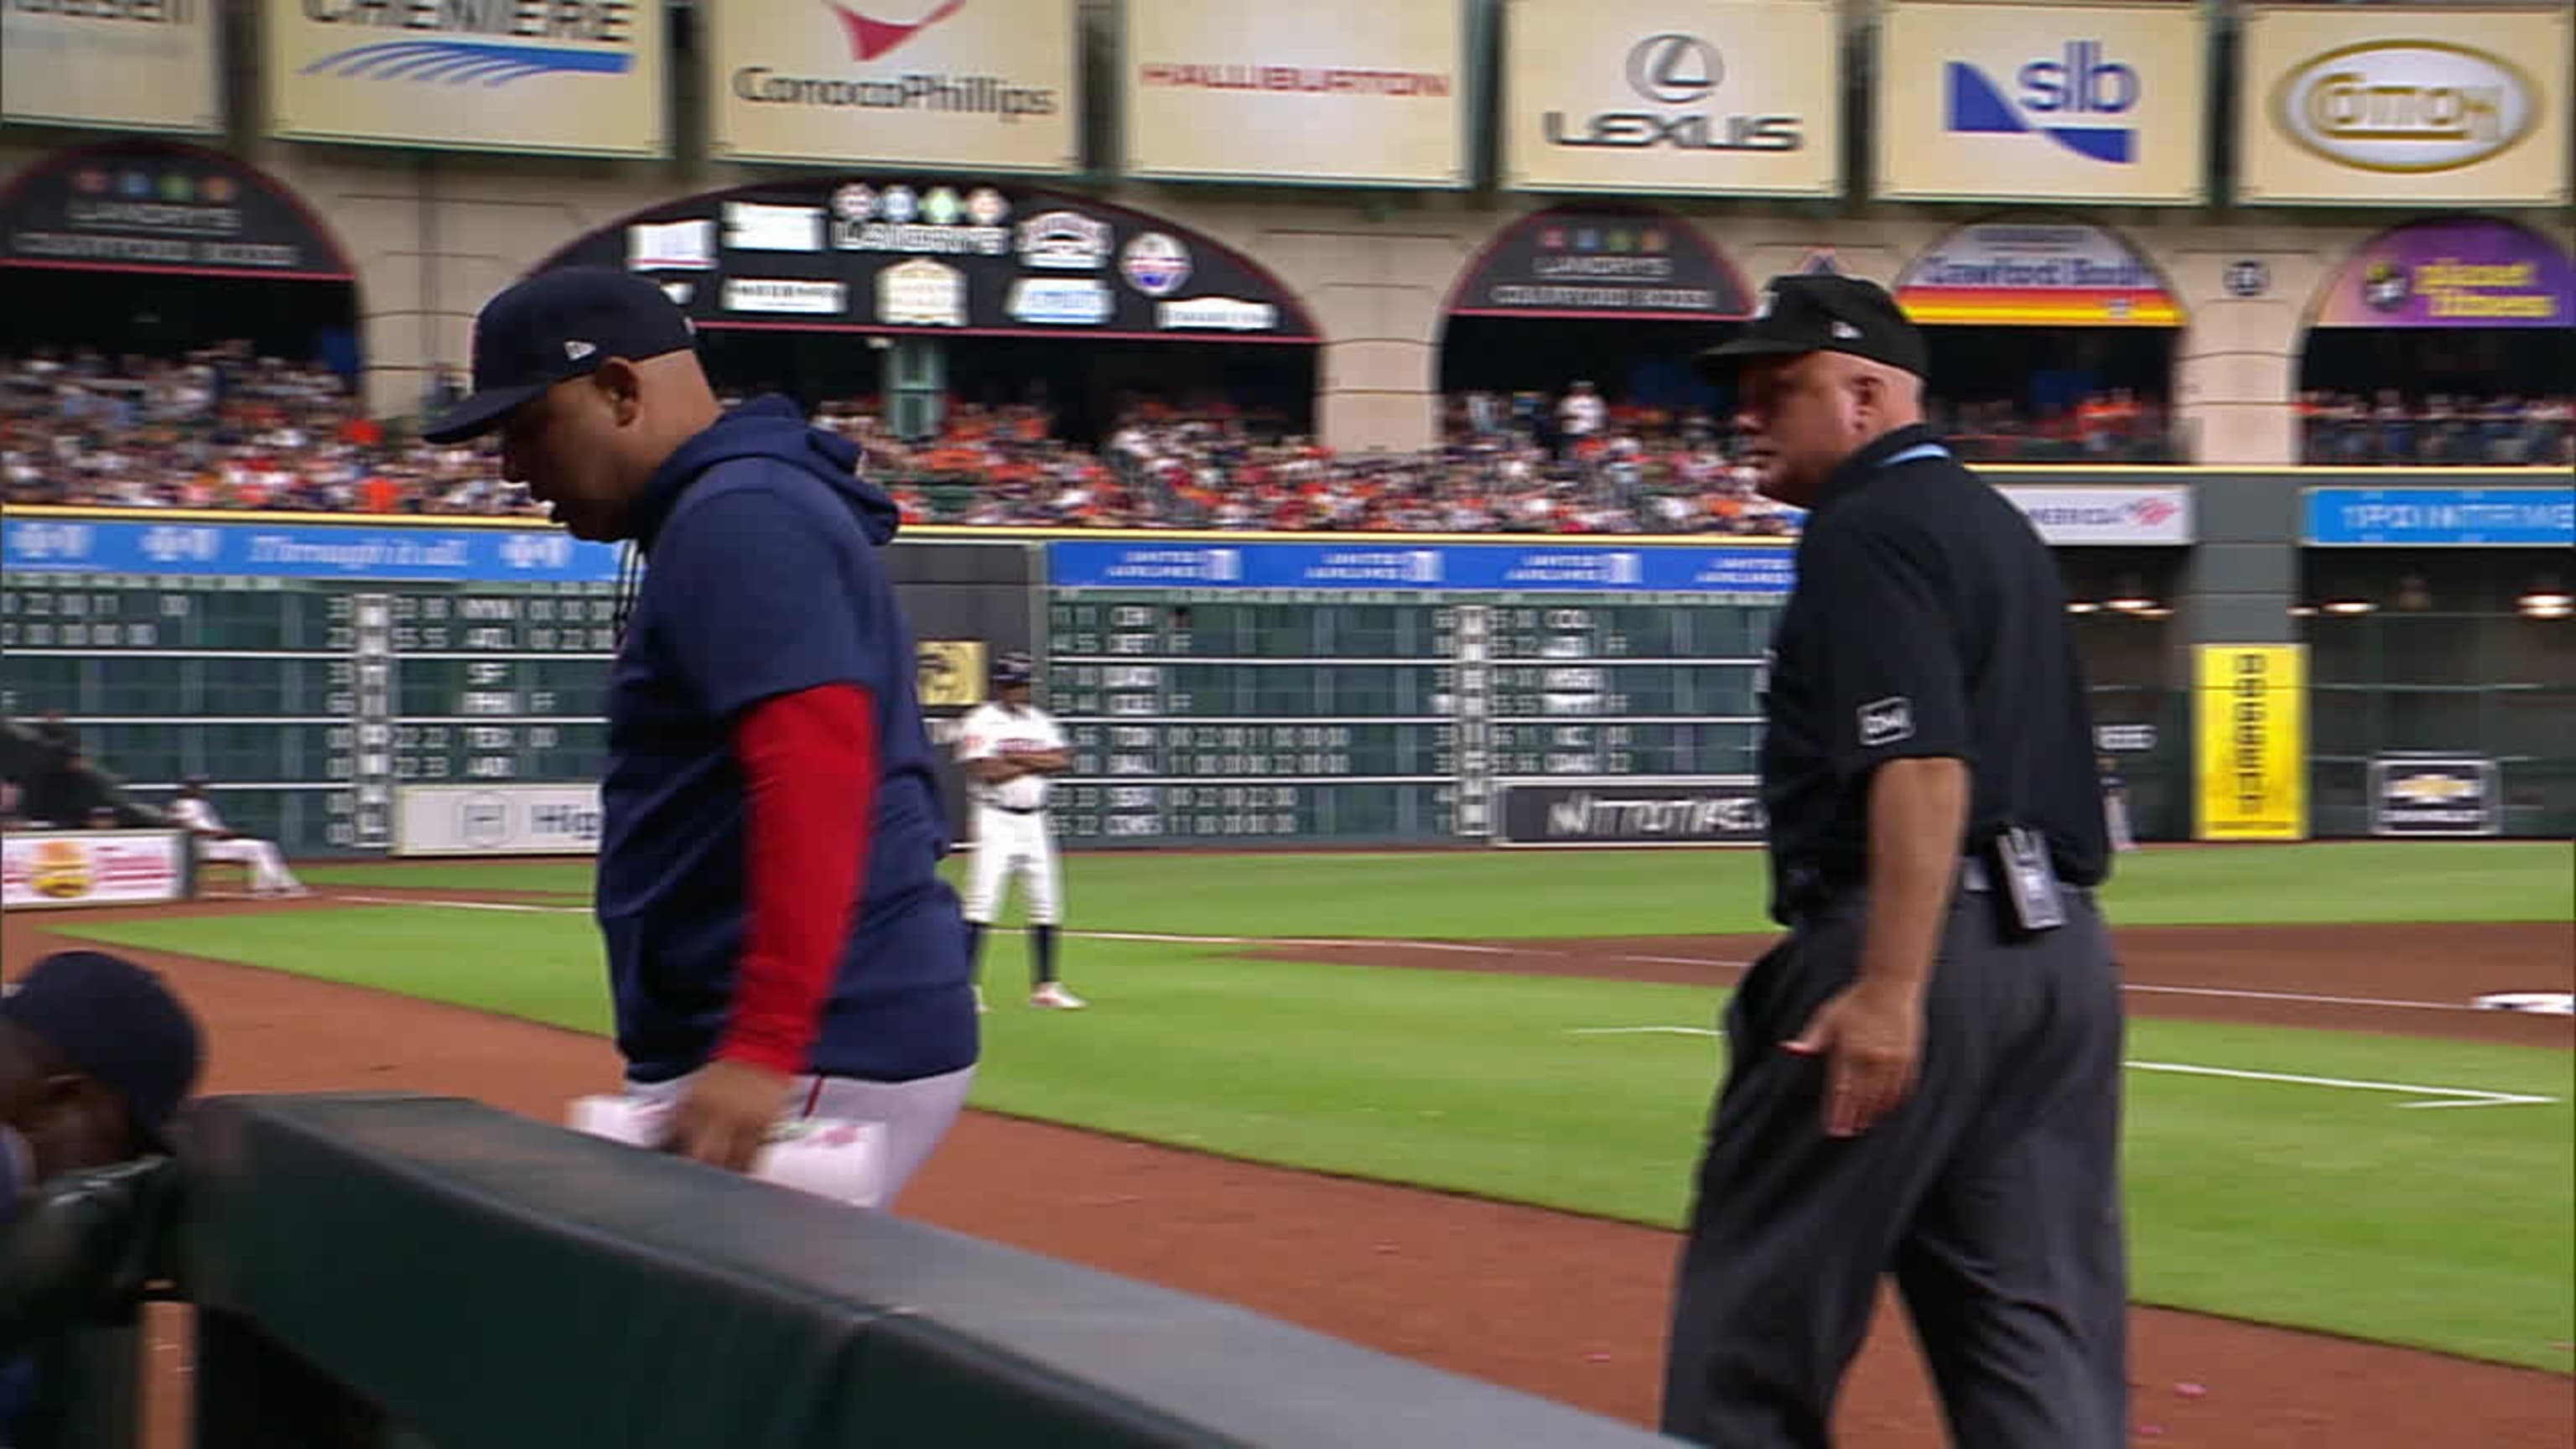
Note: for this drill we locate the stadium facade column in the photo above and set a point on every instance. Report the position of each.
(2236, 367)
(2242, 576)
(1375, 290)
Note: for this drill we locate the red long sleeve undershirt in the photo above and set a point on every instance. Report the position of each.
(809, 763)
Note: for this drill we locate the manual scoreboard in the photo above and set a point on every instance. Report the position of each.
(1226, 693)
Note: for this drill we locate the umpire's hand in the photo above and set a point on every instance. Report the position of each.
(726, 1113)
(1871, 1037)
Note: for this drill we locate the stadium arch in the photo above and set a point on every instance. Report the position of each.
(1557, 295)
(2083, 319)
(2425, 341)
(156, 247)
(991, 293)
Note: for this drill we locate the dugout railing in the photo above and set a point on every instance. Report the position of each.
(401, 1272)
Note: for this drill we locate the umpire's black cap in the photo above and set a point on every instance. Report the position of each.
(553, 327)
(1822, 312)
(1013, 668)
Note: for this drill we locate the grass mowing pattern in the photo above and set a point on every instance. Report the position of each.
(2324, 1208)
(1536, 894)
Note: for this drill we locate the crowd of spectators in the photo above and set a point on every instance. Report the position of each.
(2394, 430)
(222, 428)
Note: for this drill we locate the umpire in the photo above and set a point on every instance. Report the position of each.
(1925, 1073)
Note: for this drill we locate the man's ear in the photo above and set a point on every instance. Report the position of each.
(621, 385)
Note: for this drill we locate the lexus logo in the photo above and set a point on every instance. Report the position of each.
(1673, 69)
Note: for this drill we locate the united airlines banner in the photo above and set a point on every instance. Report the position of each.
(577, 77)
(980, 85)
(1463, 567)
(305, 551)
(1737, 97)
(129, 65)
(1987, 101)
(1362, 92)
(2434, 106)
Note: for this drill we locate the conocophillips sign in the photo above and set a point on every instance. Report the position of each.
(2077, 516)
(2454, 105)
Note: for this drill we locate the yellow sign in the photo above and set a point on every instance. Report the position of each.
(578, 77)
(950, 673)
(2253, 758)
(146, 66)
(2413, 107)
(1358, 91)
(1985, 101)
(1716, 97)
(921, 84)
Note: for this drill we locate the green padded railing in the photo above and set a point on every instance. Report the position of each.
(426, 1271)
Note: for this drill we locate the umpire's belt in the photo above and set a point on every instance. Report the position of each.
(1810, 893)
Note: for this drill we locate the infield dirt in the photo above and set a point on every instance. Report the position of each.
(1568, 1307)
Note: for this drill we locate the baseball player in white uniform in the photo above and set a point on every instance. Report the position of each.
(218, 841)
(1009, 747)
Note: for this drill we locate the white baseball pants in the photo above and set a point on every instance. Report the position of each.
(1009, 844)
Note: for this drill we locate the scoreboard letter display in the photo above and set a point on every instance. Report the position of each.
(1218, 690)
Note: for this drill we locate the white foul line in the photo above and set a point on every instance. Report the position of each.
(2459, 1096)
(2462, 1096)
(1465, 948)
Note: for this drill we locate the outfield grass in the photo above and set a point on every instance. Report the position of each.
(2321, 1207)
(1533, 894)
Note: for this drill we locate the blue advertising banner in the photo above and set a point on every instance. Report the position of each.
(303, 551)
(508, 555)
(1519, 567)
(2441, 517)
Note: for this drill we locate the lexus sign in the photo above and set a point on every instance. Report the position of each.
(1659, 96)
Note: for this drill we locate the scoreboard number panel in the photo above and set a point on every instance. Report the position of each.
(1236, 690)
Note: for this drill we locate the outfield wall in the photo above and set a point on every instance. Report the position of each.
(1246, 690)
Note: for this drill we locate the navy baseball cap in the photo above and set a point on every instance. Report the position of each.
(1013, 668)
(555, 326)
(1822, 312)
(117, 1024)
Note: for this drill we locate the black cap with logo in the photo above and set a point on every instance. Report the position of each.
(553, 327)
(1804, 312)
(118, 1024)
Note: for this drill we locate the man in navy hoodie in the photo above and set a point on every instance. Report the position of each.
(778, 940)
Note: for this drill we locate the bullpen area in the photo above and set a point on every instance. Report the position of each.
(1448, 1105)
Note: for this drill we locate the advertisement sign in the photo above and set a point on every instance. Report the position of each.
(978, 85)
(1714, 812)
(496, 820)
(134, 65)
(1985, 101)
(2435, 795)
(2453, 272)
(2082, 516)
(2035, 274)
(2357, 105)
(1740, 568)
(1707, 97)
(2252, 705)
(54, 868)
(584, 77)
(886, 254)
(302, 551)
(2440, 517)
(152, 206)
(1631, 265)
(1359, 92)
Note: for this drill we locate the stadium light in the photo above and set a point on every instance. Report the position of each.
(2082, 606)
(2546, 599)
(2349, 606)
(2130, 604)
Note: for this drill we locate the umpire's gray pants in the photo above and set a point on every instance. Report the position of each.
(1992, 1193)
